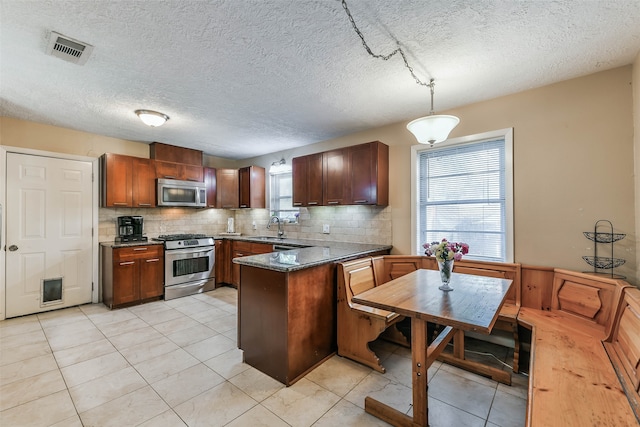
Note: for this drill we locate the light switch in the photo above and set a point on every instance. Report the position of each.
(325, 229)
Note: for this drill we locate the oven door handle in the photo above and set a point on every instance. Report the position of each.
(189, 251)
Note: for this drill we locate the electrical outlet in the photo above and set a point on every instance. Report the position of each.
(255, 227)
(325, 228)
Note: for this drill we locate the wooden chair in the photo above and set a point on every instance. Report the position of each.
(358, 325)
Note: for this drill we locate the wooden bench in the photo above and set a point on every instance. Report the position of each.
(623, 347)
(572, 380)
(358, 324)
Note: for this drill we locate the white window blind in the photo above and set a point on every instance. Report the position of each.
(462, 196)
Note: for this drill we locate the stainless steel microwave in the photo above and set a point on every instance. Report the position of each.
(173, 192)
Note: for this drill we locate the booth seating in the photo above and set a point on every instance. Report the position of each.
(358, 324)
(572, 381)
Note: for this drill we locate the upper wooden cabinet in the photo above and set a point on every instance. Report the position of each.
(368, 174)
(127, 181)
(227, 188)
(356, 175)
(307, 180)
(144, 183)
(252, 181)
(172, 153)
(181, 171)
(335, 175)
(211, 186)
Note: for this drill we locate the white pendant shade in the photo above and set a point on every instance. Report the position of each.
(152, 118)
(432, 129)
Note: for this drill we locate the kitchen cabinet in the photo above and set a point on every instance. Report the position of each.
(335, 174)
(368, 174)
(132, 274)
(227, 186)
(175, 154)
(307, 180)
(181, 171)
(127, 181)
(252, 187)
(241, 249)
(210, 185)
(356, 175)
(223, 262)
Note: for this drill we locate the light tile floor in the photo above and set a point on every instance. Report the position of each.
(175, 363)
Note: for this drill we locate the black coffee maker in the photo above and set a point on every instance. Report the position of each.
(130, 229)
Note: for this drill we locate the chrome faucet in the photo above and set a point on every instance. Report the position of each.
(275, 219)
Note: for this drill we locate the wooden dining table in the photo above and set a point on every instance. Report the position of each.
(473, 305)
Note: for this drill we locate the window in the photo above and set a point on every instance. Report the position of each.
(463, 191)
(281, 194)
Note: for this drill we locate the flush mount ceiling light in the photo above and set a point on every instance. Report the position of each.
(152, 118)
(427, 130)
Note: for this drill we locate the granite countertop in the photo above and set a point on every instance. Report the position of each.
(116, 245)
(316, 253)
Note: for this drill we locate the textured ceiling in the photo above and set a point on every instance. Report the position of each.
(242, 78)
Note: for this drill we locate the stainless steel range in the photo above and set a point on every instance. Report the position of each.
(189, 261)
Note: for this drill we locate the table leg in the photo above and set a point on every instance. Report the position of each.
(419, 370)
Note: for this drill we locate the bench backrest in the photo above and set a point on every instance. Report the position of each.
(356, 276)
(625, 342)
(394, 266)
(587, 297)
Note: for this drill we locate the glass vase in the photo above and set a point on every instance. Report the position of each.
(446, 268)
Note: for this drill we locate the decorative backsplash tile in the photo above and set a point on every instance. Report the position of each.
(356, 224)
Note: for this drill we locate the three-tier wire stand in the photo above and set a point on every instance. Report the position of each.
(600, 263)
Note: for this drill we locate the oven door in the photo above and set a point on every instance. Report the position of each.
(188, 265)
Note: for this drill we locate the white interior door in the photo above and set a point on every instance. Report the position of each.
(48, 233)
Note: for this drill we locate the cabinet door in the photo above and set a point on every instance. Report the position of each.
(227, 188)
(126, 274)
(223, 261)
(335, 176)
(252, 191)
(116, 180)
(151, 277)
(167, 170)
(210, 184)
(144, 183)
(361, 175)
(192, 173)
(299, 176)
(314, 180)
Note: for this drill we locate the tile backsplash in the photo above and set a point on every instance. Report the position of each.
(356, 224)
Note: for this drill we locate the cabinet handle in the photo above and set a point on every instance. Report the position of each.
(313, 203)
(333, 202)
(212, 206)
(227, 206)
(170, 177)
(153, 260)
(140, 249)
(119, 204)
(360, 201)
(239, 255)
(297, 204)
(193, 180)
(144, 204)
(243, 206)
(127, 263)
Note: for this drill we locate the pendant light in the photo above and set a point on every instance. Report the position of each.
(432, 128)
(152, 118)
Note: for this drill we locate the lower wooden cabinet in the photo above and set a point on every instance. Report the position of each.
(132, 274)
(241, 249)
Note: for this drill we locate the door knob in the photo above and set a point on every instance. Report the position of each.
(13, 248)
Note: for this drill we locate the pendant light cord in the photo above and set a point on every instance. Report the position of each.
(387, 57)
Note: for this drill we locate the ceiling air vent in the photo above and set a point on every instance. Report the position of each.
(68, 49)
